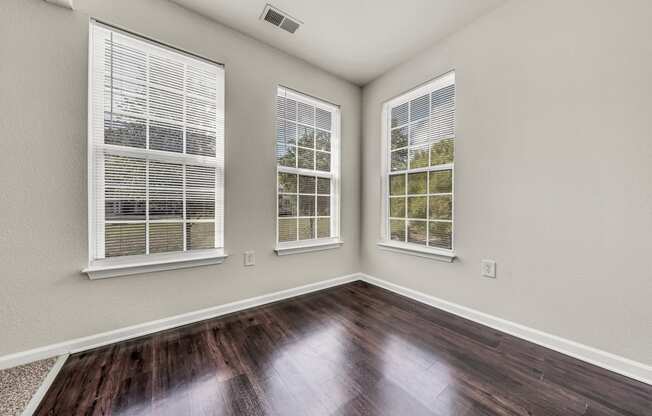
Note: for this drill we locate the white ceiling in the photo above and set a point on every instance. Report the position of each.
(355, 39)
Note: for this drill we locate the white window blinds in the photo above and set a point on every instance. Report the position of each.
(307, 152)
(156, 159)
(419, 142)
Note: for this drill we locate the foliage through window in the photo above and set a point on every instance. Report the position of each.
(155, 148)
(420, 136)
(307, 146)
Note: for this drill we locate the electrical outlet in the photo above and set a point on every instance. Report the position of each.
(249, 258)
(488, 268)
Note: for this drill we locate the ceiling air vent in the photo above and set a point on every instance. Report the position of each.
(280, 19)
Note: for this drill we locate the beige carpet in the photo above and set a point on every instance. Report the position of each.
(18, 385)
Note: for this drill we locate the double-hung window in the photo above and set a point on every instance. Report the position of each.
(156, 158)
(419, 135)
(307, 155)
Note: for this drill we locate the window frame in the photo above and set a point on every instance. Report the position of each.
(314, 244)
(100, 266)
(385, 242)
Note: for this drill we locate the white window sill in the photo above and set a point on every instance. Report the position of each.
(308, 246)
(124, 266)
(415, 250)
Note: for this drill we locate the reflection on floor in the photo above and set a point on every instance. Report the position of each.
(351, 350)
(18, 385)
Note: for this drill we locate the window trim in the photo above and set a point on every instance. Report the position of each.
(419, 251)
(305, 246)
(315, 244)
(143, 263)
(385, 242)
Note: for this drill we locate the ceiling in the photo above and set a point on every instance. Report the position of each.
(357, 40)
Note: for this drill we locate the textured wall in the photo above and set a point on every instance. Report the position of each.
(553, 170)
(43, 205)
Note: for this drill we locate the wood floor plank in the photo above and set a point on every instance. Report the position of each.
(355, 349)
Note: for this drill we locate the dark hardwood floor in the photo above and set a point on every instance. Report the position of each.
(351, 350)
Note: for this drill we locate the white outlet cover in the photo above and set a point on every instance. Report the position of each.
(488, 268)
(249, 258)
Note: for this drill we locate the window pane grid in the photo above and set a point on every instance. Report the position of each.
(294, 223)
(300, 124)
(157, 221)
(419, 154)
(135, 115)
(419, 191)
(305, 175)
(154, 191)
(448, 166)
(294, 193)
(419, 219)
(312, 148)
(320, 153)
(183, 109)
(420, 168)
(425, 195)
(155, 111)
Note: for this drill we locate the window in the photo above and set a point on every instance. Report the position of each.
(307, 155)
(156, 161)
(419, 136)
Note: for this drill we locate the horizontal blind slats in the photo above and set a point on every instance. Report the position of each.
(157, 131)
(421, 133)
(306, 199)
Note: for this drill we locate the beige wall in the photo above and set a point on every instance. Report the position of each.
(43, 236)
(553, 170)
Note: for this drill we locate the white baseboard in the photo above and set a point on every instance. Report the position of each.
(105, 338)
(609, 361)
(43, 388)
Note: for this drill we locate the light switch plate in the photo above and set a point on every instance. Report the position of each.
(249, 258)
(488, 268)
